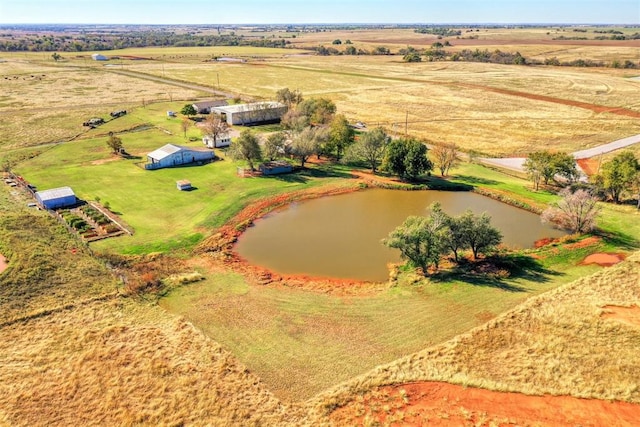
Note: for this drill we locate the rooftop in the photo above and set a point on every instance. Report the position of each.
(55, 193)
(237, 108)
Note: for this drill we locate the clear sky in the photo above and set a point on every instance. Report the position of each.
(319, 11)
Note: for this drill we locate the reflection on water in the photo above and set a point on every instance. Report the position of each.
(339, 236)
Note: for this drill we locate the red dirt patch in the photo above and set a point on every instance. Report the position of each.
(442, 404)
(584, 243)
(603, 259)
(628, 315)
(589, 166)
(3, 263)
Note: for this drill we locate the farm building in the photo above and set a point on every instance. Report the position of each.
(248, 114)
(176, 155)
(204, 107)
(99, 57)
(275, 168)
(223, 140)
(56, 198)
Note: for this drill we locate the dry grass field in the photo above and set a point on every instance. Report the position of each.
(495, 109)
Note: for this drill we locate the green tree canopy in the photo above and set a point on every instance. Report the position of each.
(318, 110)
(246, 147)
(619, 175)
(114, 143)
(369, 148)
(341, 136)
(188, 110)
(420, 239)
(407, 158)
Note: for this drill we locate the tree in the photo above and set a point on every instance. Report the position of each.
(288, 97)
(445, 156)
(185, 124)
(412, 57)
(294, 121)
(336, 41)
(341, 135)
(456, 239)
(576, 212)
(480, 235)
(565, 167)
(215, 126)
(274, 146)
(56, 56)
(406, 158)
(307, 143)
(188, 110)
(246, 147)
(319, 110)
(420, 239)
(619, 174)
(369, 148)
(545, 166)
(114, 143)
(539, 167)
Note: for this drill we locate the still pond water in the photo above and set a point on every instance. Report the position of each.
(339, 236)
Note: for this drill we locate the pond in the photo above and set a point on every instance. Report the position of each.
(339, 236)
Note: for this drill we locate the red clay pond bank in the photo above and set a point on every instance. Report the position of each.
(443, 404)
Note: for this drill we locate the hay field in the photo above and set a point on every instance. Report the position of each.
(445, 102)
(558, 343)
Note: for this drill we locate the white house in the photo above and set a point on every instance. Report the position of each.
(250, 114)
(223, 140)
(176, 155)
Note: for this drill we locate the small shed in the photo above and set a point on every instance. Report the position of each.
(56, 198)
(275, 168)
(223, 140)
(99, 57)
(183, 185)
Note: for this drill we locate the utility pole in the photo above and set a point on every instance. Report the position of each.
(218, 76)
(406, 124)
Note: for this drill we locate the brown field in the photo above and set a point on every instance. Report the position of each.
(501, 110)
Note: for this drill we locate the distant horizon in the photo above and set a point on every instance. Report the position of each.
(332, 24)
(325, 12)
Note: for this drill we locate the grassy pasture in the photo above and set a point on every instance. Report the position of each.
(162, 216)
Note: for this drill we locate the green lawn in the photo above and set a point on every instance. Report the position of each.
(162, 217)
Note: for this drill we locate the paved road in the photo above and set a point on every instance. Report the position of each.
(517, 163)
(607, 148)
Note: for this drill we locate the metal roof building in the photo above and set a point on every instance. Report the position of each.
(177, 155)
(56, 198)
(248, 114)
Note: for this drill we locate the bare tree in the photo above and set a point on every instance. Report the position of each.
(576, 212)
(444, 157)
(215, 126)
(185, 124)
(114, 143)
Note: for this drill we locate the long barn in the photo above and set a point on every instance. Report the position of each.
(250, 114)
(176, 155)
